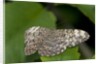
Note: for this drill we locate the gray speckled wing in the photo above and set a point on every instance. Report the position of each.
(51, 42)
(30, 40)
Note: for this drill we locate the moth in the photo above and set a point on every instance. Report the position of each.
(50, 42)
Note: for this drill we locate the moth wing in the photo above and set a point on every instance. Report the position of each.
(59, 40)
(30, 42)
(30, 49)
(52, 45)
(54, 41)
(76, 36)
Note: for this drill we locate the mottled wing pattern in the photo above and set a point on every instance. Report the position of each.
(51, 42)
(75, 36)
(30, 40)
(59, 40)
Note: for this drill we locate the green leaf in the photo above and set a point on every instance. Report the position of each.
(88, 10)
(19, 17)
(68, 54)
(68, 14)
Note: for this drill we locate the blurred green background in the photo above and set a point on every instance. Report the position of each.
(19, 16)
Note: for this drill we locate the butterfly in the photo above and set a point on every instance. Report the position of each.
(50, 42)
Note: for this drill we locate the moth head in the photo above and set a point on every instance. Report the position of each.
(81, 35)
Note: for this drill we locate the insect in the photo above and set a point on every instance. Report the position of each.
(50, 42)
